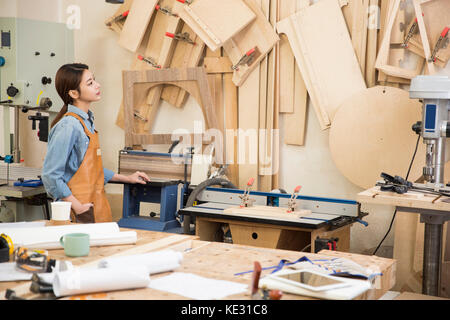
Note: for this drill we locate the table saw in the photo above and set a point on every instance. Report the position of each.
(328, 218)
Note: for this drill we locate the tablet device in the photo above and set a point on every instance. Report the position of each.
(310, 280)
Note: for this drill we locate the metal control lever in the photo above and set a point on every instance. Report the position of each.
(292, 204)
(246, 200)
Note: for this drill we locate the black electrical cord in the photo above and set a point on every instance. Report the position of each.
(395, 212)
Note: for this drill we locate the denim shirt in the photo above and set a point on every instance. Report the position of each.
(67, 145)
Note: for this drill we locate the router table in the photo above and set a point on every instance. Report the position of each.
(329, 218)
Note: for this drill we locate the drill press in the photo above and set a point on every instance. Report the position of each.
(434, 128)
(434, 92)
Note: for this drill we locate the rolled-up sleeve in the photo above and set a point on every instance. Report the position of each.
(108, 174)
(58, 150)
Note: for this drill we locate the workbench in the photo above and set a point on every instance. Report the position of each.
(434, 211)
(221, 261)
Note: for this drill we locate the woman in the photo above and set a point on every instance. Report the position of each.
(73, 169)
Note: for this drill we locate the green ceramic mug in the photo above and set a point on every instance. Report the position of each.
(75, 244)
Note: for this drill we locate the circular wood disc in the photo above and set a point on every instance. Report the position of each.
(371, 133)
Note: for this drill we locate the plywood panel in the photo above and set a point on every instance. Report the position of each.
(330, 75)
(372, 134)
(136, 24)
(216, 21)
(259, 34)
(248, 108)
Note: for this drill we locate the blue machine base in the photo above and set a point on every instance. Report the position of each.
(144, 223)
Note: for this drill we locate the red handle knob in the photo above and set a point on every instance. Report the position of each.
(297, 189)
(250, 182)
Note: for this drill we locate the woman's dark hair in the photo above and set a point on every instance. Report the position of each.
(67, 78)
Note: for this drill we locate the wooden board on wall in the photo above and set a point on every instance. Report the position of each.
(329, 68)
(193, 80)
(295, 123)
(248, 109)
(436, 18)
(372, 134)
(382, 62)
(216, 21)
(258, 34)
(287, 62)
(136, 24)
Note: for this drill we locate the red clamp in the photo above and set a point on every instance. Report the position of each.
(149, 61)
(185, 1)
(246, 59)
(119, 17)
(181, 37)
(165, 11)
(443, 38)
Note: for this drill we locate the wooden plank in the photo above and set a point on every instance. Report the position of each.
(266, 112)
(216, 85)
(136, 24)
(359, 31)
(248, 107)
(217, 64)
(372, 35)
(231, 127)
(330, 75)
(259, 34)
(216, 21)
(274, 144)
(287, 62)
(184, 56)
(295, 123)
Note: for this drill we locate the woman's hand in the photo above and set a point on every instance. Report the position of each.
(81, 208)
(138, 177)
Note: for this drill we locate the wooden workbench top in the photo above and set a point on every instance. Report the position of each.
(214, 260)
(410, 199)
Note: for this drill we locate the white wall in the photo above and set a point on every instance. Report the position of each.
(310, 165)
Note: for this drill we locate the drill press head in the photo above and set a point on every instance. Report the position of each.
(434, 93)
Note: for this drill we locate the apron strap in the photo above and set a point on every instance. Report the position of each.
(86, 130)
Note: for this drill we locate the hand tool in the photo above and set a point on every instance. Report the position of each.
(11, 295)
(165, 11)
(181, 37)
(247, 58)
(441, 43)
(185, 1)
(292, 204)
(150, 61)
(246, 200)
(263, 294)
(33, 260)
(6, 247)
(255, 280)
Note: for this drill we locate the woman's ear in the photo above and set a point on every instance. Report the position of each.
(74, 94)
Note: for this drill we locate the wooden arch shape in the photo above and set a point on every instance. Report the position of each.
(193, 80)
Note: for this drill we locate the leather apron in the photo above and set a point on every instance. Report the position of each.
(87, 184)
